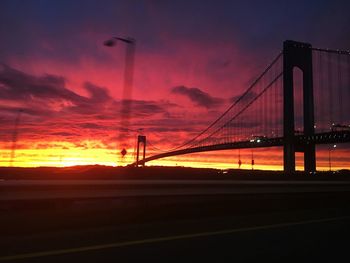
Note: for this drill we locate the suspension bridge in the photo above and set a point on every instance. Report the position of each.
(299, 101)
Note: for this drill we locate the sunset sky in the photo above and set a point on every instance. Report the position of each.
(192, 58)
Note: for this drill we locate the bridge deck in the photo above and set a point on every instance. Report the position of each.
(300, 141)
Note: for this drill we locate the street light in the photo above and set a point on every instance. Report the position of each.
(128, 82)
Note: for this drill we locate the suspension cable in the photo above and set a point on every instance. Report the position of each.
(334, 51)
(237, 101)
(230, 107)
(250, 103)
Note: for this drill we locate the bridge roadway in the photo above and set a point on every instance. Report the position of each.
(300, 140)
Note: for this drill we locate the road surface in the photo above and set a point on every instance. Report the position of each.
(309, 240)
(175, 222)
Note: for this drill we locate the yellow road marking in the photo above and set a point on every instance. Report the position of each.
(162, 239)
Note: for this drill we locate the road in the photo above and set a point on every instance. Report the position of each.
(213, 222)
(309, 240)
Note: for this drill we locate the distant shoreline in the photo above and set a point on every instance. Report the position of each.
(98, 172)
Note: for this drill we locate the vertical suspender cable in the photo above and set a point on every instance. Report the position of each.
(348, 84)
(273, 105)
(330, 92)
(260, 99)
(266, 97)
(340, 87)
(321, 78)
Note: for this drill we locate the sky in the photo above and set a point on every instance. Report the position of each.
(192, 58)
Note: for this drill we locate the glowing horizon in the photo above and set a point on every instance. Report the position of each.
(226, 159)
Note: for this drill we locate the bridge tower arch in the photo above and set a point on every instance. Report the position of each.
(297, 54)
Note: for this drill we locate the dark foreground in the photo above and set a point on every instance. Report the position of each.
(305, 241)
(294, 227)
(168, 214)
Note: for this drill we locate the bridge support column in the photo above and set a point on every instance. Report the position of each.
(296, 54)
(141, 139)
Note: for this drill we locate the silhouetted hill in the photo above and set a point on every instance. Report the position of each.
(98, 172)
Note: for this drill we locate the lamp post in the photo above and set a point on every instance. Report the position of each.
(329, 156)
(15, 137)
(128, 84)
(239, 159)
(129, 63)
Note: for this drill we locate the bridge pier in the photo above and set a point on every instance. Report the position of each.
(297, 54)
(310, 158)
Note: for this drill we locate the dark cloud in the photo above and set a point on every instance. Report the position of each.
(48, 94)
(97, 94)
(89, 125)
(172, 124)
(146, 108)
(64, 134)
(25, 110)
(199, 97)
(51, 109)
(16, 85)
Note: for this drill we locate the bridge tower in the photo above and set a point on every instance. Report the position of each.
(141, 139)
(296, 54)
